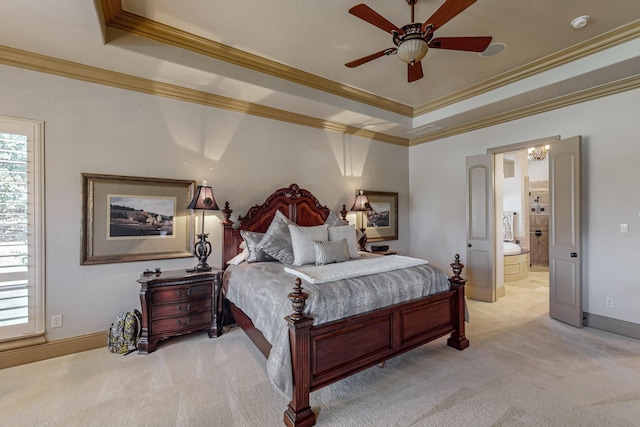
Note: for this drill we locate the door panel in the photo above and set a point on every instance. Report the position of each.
(480, 236)
(565, 284)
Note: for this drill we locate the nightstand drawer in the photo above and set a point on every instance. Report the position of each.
(178, 302)
(177, 324)
(182, 308)
(179, 293)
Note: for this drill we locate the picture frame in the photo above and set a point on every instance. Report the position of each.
(126, 218)
(382, 221)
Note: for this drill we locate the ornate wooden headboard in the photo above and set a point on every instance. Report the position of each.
(297, 204)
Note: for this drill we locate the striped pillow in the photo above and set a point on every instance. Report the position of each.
(330, 252)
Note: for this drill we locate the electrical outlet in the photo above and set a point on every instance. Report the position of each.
(56, 321)
(608, 302)
(624, 228)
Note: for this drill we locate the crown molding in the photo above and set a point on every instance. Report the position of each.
(580, 50)
(45, 64)
(612, 88)
(77, 71)
(129, 22)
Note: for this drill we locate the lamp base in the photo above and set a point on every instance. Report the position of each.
(202, 251)
(363, 240)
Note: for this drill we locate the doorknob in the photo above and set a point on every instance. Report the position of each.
(468, 245)
(574, 255)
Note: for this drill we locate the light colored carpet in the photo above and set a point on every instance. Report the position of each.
(522, 369)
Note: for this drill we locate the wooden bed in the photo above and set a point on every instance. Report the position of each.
(325, 353)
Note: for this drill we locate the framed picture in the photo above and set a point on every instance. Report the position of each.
(128, 218)
(382, 220)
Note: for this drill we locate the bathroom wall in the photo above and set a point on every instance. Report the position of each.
(539, 223)
(515, 195)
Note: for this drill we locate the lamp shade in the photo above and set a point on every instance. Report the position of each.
(203, 199)
(361, 203)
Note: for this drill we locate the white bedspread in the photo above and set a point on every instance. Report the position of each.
(355, 268)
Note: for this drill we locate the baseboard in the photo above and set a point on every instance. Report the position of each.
(620, 327)
(48, 350)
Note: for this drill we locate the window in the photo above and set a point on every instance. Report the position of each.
(21, 229)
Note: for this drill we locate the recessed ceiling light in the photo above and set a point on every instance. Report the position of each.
(493, 49)
(580, 22)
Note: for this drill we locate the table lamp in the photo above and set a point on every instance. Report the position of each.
(203, 200)
(362, 205)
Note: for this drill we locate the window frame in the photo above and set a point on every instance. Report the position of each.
(11, 337)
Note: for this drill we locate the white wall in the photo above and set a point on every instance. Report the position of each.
(610, 130)
(539, 171)
(515, 197)
(97, 129)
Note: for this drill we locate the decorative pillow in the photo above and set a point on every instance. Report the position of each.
(333, 219)
(277, 240)
(252, 240)
(331, 252)
(302, 242)
(347, 232)
(240, 258)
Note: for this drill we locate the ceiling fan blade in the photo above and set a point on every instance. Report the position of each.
(414, 71)
(364, 12)
(470, 44)
(388, 51)
(446, 12)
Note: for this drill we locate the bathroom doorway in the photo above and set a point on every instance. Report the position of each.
(485, 267)
(525, 219)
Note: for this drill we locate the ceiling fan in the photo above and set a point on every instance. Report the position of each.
(414, 40)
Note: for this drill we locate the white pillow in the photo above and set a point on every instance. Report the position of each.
(347, 232)
(331, 252)
(334, 219)
(302, 242)
(240, 258)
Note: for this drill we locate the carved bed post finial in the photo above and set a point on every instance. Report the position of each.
(227, 214)
(344, 213)
(298, 301)
(457, 267)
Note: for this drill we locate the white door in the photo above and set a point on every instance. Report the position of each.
(565, 284)
(479, 269)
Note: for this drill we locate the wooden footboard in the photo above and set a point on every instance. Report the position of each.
(333, 351)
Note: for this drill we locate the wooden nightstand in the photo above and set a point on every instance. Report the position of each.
(176, 302)
(385, 252)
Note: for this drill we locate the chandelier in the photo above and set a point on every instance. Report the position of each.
(537, 154)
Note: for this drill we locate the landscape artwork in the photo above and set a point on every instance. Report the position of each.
(140, 216)
(379, 215)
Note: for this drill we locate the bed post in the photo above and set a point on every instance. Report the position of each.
(299, 413)
(458, 339)
(227, 237)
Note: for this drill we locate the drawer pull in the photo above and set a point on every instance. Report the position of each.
(180, 323)
(180, 294)
(187, 308)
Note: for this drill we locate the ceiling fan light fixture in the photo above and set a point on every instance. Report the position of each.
(413, 50)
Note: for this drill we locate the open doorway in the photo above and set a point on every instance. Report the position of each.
(485, 275)
(522, 222)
